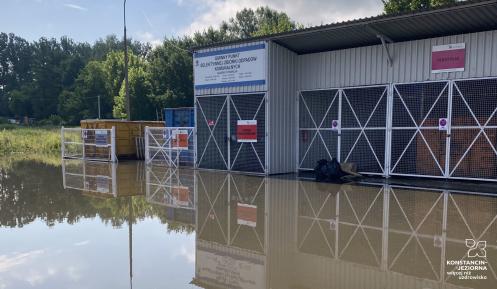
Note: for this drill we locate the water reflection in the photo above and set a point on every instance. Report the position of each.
(231, 231)
(89, 236)
(164, 228)
(273, 233)
(173, 189)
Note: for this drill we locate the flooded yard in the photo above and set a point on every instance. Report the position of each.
(102, 225)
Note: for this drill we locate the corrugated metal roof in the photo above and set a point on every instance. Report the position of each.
(462, 17)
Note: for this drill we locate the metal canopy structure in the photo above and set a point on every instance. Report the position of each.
(365, 91)
(462, 17)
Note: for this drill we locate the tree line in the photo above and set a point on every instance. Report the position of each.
(59, 81)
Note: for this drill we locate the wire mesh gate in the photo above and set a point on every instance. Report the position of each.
(474, 129)
(221, 145)
(418, 144)
(450, 131)
(88, 144)
(349, 124)
(170, 146)
(439, 129)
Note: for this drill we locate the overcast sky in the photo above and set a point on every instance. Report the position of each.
(151, 20)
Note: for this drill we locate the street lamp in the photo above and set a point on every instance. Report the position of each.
(128, 106)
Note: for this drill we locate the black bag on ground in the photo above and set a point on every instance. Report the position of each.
(328, 171)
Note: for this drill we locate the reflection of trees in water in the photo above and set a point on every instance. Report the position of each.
(30, 191)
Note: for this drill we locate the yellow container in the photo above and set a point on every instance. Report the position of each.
(126, 132)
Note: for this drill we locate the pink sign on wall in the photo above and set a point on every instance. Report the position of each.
(448, 58)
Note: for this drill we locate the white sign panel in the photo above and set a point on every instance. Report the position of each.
(101, 138)
(230, 67)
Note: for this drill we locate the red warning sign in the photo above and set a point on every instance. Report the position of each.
(180, 139)
(448, 58)
(246, 215)
(246, 131)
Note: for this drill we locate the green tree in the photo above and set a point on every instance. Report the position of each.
(61, 78)
(139, 86)
(16, 56)
(20, 102)
(262, 21)
(111, 43)
(171, 74)
(82, 102)
(400, 6)
(139, 91)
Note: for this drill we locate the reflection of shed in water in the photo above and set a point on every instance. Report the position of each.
(231, 231)
(399, 237)
(316, 235)
(102, 179)
(173, 189)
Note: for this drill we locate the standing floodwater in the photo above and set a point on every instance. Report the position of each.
(100, 225)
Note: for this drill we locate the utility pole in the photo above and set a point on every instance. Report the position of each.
(128, 106)
(98, 96)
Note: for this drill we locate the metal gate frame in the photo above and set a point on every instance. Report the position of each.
(228, 102)
(419, 127)
(447, 170)
(481, 126)
(363, 127)
(160, 139)
(318, 129)
(77, 137)
(340, 96)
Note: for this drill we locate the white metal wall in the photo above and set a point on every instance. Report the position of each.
(281, 121)
(411, 62)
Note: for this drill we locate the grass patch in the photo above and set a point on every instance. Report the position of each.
(46, 159)
(29, 141)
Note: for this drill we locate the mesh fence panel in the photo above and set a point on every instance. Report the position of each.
(418, 146)
(212, 138)
(473, 149)
(73, 143)
(248, 157)
(317, 110)
(88, 144)
(163, 149)
(363, 127)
